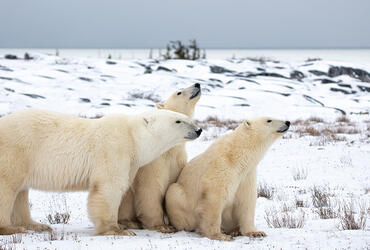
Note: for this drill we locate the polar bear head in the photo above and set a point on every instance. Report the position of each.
(160, 130)
(172, 125)
(266, 129)
(183, 100)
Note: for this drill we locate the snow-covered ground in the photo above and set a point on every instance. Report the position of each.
(331, 155)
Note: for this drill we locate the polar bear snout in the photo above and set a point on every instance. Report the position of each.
(284, 128)
(194, 134)
(195, 91)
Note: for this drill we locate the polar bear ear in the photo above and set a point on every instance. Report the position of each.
(246, 123)
(159, 105)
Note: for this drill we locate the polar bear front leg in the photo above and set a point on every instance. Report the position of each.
(245, 206)
(211, 208)
(21, 214)
(105, 197)
(126, 212)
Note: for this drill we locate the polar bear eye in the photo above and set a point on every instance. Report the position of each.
(268, 121)
(178, 121)
(179, 93)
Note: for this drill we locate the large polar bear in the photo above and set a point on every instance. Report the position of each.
(217, 189)
(144, 201)
(51, 151)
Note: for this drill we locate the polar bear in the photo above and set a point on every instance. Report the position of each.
(144, 200)
(56, 152)
(217, 189)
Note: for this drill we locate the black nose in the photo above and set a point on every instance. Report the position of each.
(197, 85)
(287, 123)
(199, 131)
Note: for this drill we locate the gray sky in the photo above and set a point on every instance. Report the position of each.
(214, 23)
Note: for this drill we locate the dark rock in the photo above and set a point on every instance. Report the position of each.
(248, 80)
(3, 68)
(313, 100)
(62, 70)
(105, 104)
(35, 96)
(109, 76)
(111, 62)
(344, 85)
(9, 89)
(11, 57)
(242, 105)
(148, 70)
(318, 72)
(298, 75)
(166, 69)
(190, 66)
(125, 104)
(364, 88)
(214, 85)
(306, 64)
(279, 93)
(241, 88)
(85, 79)
(47, 77)
(279, 67)
(6, 78)
(359, 74)
(235, 97)
(267, 74)
(215, 80)
(340, 90)
(87, 100)
(219, 70)
(260, 69)
(327, 81)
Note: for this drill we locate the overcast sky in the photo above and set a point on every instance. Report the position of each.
(214, 23)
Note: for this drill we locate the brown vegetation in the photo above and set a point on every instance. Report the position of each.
(213, 121)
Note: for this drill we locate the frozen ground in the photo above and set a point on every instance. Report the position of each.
(331, 155)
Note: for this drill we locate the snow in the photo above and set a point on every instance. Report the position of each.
(95, 86)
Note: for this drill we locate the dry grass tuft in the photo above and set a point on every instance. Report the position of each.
(213, 121)
(308, 130)
(343, 119)
(327, 212)
(263, 190)
(348, 219)
(53, 236)
(300, 174)
(58, 217)
(287, 217)
(320, 197)
(8, 243)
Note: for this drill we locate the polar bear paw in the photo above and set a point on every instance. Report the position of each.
(164, 229)
(255, 234)
(117, 231)
(220, 236)
(38, 227)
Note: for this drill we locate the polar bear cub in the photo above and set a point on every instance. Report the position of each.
(52, 151)
(216, 191)
(143, 202)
